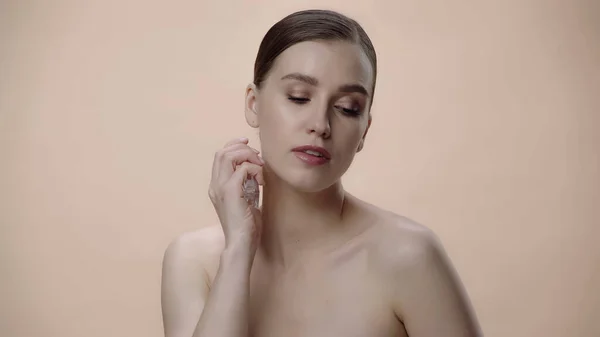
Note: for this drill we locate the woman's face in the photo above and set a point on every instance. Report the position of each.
(316, 94)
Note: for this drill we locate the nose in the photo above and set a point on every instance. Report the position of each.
(320, 124)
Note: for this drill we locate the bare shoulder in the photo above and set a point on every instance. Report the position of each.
(401, 241)
(426, 292)
(187, 272)
(201, 248)
(197, 244)
(406, 248)
(405, 242)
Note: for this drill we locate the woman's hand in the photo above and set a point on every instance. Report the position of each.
(240, 220)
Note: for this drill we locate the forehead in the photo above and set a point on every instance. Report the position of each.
(331, 62)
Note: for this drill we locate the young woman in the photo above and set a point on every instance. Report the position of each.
(314, 260)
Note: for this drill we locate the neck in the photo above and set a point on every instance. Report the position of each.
(297, 224)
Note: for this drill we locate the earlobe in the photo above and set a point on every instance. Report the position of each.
(251, 106)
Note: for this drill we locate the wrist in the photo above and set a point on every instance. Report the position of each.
(238, 252)
(240, 241)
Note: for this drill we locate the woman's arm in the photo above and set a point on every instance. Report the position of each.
(193, 308)
(430, 298)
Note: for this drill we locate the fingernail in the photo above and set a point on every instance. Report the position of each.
(255, 150)
(243, 139)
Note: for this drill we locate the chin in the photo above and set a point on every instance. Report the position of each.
(303, 178)
(308, 182)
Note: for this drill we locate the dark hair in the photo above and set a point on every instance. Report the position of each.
(309, 25)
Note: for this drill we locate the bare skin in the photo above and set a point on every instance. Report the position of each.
(392, 279)
(314, 260)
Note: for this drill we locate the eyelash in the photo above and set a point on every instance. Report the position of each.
(301, 100)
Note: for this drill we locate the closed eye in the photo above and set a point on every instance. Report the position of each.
(348, 111)
(298, 100)
(352, 112)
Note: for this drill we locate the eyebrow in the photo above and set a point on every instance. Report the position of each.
(347, 88)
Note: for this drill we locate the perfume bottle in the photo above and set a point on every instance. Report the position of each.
(251, 191)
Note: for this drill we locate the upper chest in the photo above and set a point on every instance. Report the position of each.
(343, 296)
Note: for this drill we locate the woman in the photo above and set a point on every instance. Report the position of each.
(313, 260)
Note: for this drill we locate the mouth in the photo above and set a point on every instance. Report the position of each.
(315, 151)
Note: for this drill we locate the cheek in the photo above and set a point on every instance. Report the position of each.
(269, 126)
(273, 130)
(351, 133)
(348, 144)
(276, 119)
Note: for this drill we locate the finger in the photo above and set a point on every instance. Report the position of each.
(245, 171)
(221, 156)
(230, 160)
(238, 146)
(254, 173)
(242, 140)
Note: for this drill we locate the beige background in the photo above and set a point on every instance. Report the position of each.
(486, 129)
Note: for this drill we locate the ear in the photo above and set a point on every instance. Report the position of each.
(362, 141)
(251, 111)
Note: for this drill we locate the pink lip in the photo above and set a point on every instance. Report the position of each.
(318, 149)
(310, 159)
